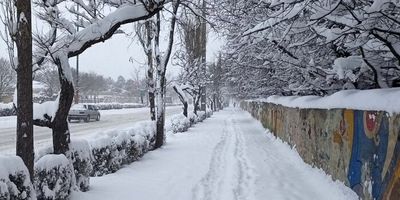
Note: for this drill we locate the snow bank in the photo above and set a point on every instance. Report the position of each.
(50, 107)
(317, 177)
(14, 179)
(54, 177)
(376, 99)
(109, 106)
(6, 106)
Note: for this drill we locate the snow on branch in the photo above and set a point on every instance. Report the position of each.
(104, 28)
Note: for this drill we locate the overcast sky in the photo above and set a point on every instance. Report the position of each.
(111, 58)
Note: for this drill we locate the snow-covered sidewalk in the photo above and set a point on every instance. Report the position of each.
(229, 156)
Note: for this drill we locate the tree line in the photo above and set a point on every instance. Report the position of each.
(309, 47)
(91, 84)
(67, 33)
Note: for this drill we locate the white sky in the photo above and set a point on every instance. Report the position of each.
(111, 58)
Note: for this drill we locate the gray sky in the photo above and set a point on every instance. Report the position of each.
(111, 58)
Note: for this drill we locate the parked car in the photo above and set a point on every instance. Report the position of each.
(83, 112)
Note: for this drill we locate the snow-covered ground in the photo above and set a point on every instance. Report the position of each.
(110, 119)
(229, 156)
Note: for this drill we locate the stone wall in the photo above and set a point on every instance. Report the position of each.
(359, 148)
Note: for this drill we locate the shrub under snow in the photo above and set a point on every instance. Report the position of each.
(81, 158)
(179, 123)
(114, 148)
(147, 130)
(105, 160)
(201, 116)
(192, 118)
(54, 177)
(14, 179)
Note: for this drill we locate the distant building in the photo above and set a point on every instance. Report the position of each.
(168, 100)
(39, 93)
(6, 97)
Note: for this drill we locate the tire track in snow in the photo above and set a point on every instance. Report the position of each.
(230, 175)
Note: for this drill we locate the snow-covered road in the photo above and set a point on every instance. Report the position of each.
(228, 157)
(110, 119)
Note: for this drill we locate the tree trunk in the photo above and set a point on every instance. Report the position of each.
(161, 63)
(150, 70)
(183, 100)
(214, 102)
(160, 111)
(61, 134)
(196, 101)
(25, 147)
(160, 89)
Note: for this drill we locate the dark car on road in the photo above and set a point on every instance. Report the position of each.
(83, 112)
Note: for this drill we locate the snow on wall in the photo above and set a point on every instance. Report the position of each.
(360, 148)
(375, 99)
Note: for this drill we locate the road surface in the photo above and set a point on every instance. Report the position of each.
(110, 119)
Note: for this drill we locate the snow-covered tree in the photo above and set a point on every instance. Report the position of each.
(309, 47)
(145, 34)
(64, 41)
(160, 63)
(191, 57)
(215, 73)
(48, 76)
(7, 77)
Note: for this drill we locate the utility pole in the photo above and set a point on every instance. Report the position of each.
(77, 64)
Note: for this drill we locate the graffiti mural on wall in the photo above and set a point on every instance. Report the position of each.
(373, 159)
(363, 150)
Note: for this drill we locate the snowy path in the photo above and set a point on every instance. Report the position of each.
(228, 157)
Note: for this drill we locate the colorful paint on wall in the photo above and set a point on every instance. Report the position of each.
(363, 150)
(369, 149)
